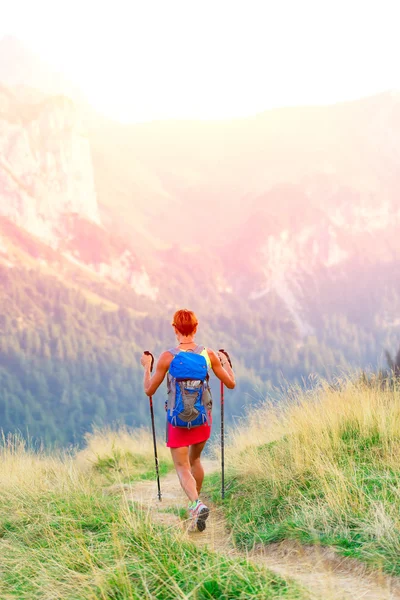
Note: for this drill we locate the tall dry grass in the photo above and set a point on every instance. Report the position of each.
(312, 425)
(106, 442)
(24, 470)
(61, 538)
(323, 465)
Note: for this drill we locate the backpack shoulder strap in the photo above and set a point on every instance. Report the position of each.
(174, 351)
(198, 349)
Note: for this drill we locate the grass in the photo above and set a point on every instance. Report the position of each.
(61, 537)
(128, 467)
(122, 456)
(179, 511)
(322, 469)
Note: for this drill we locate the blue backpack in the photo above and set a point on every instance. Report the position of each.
(189, 396)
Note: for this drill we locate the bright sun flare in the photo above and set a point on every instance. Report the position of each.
(214, 59)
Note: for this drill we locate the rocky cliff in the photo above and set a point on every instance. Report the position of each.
(269, 205)
(46, 167)
(47, 186)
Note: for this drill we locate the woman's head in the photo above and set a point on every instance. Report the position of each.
(185, 322)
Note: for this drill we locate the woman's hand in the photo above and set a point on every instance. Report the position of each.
(223, 358)
(151, 384)
(145, 361)
(222, 369)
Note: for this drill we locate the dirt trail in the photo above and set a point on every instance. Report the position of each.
(319, 570)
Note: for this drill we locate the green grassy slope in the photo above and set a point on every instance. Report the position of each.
(61, 537)
(331, 476)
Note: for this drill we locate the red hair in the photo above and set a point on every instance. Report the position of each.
(185, 321)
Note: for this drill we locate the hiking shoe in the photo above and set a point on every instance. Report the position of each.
(199, 514)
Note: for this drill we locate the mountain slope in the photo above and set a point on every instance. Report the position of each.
(286, 196)
(220, 168)
(47, 188)
(281, 231)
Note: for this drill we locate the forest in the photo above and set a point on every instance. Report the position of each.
(69, 361)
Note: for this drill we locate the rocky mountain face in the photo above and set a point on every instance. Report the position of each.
(46, 167)
(47, 187)
(296, 202)
(308, 238)
(290, 203)
(325, 176)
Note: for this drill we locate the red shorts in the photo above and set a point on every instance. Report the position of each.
(179, 437)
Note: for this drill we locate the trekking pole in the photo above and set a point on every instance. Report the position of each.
(222, 432)
(154, 430)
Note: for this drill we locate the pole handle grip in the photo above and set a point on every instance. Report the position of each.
(227, 356)
(152, 359)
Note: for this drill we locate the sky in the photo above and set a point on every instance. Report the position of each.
(211, 59)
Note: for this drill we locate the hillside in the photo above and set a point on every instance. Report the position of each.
(63, 537)
(311, 510)
(321, 470)
(281, 231)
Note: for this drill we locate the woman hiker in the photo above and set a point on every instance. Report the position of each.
(187, 444)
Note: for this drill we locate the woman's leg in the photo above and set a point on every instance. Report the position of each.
(196, 466)
(180, 456)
